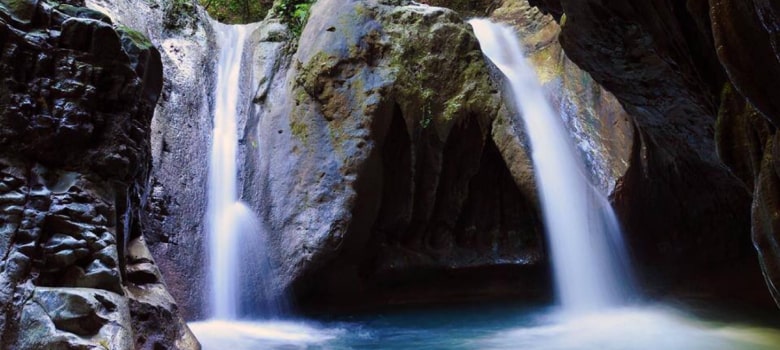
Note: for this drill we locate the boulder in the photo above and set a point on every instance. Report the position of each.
(394, 172)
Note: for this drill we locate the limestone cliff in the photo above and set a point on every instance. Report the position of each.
(76, 98)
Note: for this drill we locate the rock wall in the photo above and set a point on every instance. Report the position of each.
(77, 95)
(388, 169)
(385, 168)
(174, 217)
(380, 154)
(746, 36)
(682, 70)
(392, 171)
(600, 128)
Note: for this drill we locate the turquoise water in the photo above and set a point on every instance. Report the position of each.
(493, 327)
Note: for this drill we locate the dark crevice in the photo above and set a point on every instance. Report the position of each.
(427, 162)
(496, 214)
(461, 160)
(395, 210)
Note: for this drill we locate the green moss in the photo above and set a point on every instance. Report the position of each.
(300, 96)
(453, 107)
(439, 71)
(237, 11)
(466, 7)
(300, 130)
(295, 13)
(137, 37)
(23, 10)
(337, 138)
(309, 73)
(82, 12)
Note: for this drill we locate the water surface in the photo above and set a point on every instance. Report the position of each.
(497, 327)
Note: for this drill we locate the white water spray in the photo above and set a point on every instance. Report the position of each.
(584, 236)
(231, 222)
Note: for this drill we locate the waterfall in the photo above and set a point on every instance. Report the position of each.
(233, 228)
(584, 236)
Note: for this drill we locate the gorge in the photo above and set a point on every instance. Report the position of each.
(373, 180)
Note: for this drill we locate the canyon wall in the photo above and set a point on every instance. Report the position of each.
(77, 96)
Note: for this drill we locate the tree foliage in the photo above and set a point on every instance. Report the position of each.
(237, 11)
(295, 13)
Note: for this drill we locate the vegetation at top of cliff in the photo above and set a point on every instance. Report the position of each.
(466, 7)
(295, 13)
(237, 11)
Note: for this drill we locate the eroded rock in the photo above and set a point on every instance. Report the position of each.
(173, 218)
(659, 60)
(75, 110)
(373, 173)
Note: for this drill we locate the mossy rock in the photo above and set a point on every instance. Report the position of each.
(136, 37)
(21, 10)
(83, 12)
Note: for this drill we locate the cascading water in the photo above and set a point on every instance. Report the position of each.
(231, 222)
(585, 242)
(578, 218)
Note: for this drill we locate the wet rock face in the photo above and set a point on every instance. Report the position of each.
(677, 68)
(76, 98)
(746, 36)
(386, 174)
(659, 60)
(467, 8)
(174, 215)
(601, 130)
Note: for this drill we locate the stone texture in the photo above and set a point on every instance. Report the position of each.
(174, 221)
(746, 35)
(467, 8)
(381, 173)
(677, 67)
(659, 61)
(387, 167)
(746, 38)
(600, 128)
(73, 318)
(77, 95)
(741, 135)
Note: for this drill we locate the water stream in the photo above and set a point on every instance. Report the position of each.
(231, 223)
(585, 240)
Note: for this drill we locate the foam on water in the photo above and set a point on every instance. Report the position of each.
(632, 329)
(231, 335)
